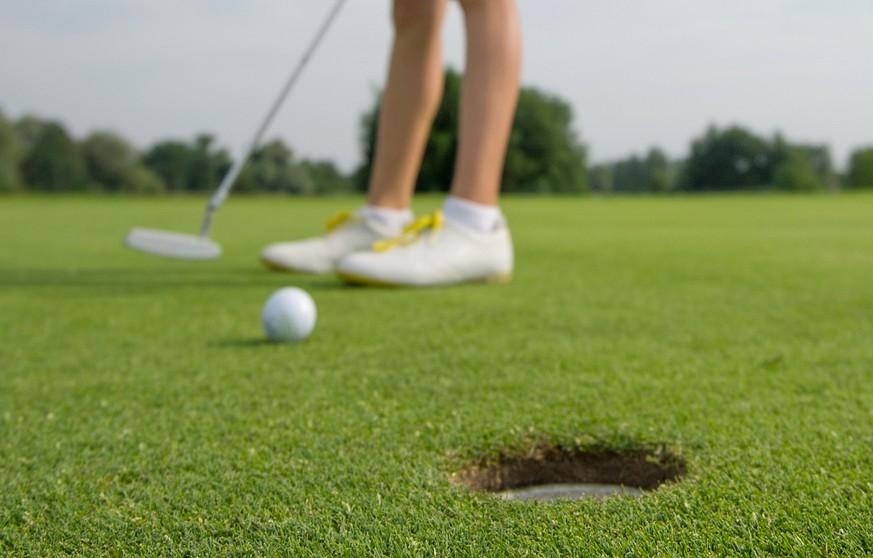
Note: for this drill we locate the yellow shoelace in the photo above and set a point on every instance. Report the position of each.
(412, 233)
(338, 220)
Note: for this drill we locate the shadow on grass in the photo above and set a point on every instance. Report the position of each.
(251, 343)
(123, 281)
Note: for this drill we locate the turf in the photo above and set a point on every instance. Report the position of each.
(142, 412)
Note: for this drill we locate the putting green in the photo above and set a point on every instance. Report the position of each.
(142, 412)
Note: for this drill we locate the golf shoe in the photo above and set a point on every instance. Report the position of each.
(433, 251)
(347, 232)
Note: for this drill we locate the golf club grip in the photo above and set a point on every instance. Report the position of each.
(228, 181)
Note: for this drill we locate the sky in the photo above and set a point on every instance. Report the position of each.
(637, 73)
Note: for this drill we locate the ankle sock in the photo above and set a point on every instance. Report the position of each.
(392, 220)
(476, 216)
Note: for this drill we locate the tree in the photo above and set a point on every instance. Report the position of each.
(732, 159)
(114, 166)
(10, 157)
(860, 173)
(797, 173)
(737, 159)
(543, 155)
(653, 173)
(327, 178)
(107, 158)
(53, 162)
(271, 168)
(142, 180)
(28, 129)
(600, 178)
(274, 168)
(208, 165)
(630, 175)
(659, 177)
(818, 157)
(172, 161)
(188, 168)
(438, 163)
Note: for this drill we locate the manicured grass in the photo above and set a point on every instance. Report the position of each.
(142, 413)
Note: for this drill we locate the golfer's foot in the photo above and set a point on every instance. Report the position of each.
(433, 251)
(347, 232)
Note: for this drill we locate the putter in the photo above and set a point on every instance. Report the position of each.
(201, 247)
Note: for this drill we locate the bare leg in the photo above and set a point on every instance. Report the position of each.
(473, 244)
(488, 98)
(410, 101)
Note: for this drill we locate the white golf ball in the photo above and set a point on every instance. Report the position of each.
(288, 315)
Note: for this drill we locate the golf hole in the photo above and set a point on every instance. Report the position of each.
(555, 473)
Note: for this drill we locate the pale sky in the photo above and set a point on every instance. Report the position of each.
(637, 73)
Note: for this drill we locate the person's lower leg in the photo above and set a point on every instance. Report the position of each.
(412, 94)
(488, 98)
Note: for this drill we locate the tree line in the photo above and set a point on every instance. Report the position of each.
(544, 156)
(39, 155)
(734, 159)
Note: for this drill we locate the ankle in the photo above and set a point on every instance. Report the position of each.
(476, 216)
(392, 221)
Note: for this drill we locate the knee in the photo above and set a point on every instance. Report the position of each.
(418, 15)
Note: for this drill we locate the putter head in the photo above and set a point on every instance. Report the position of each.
(172, 245)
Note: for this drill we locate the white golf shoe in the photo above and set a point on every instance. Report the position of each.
(347, 232)
(433, 251)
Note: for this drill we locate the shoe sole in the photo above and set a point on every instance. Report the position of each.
(359, 280)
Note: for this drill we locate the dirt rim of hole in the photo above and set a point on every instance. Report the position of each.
(641, 469)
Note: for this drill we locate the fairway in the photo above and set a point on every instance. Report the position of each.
(143, 413)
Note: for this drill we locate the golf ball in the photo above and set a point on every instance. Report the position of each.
(288, 315)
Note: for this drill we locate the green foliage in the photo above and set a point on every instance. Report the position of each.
(797, 174)
(817, 157)
(10, 157)
(860, 173)
(600, 178)
(543, 156)
(651, 174)
(53, 162)
(195, 167)
(41, 156)
(732, 159)
(326, 178)
(369, 124)
(171, 160)
(140, 179)
(272, 168)
(438, 164)
(659, 177)
(208, 165)
(114, 166)
(737, 159)
(108, 158)
(29, 128)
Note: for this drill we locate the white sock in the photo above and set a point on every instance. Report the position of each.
(476, 216)
(392, 220)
